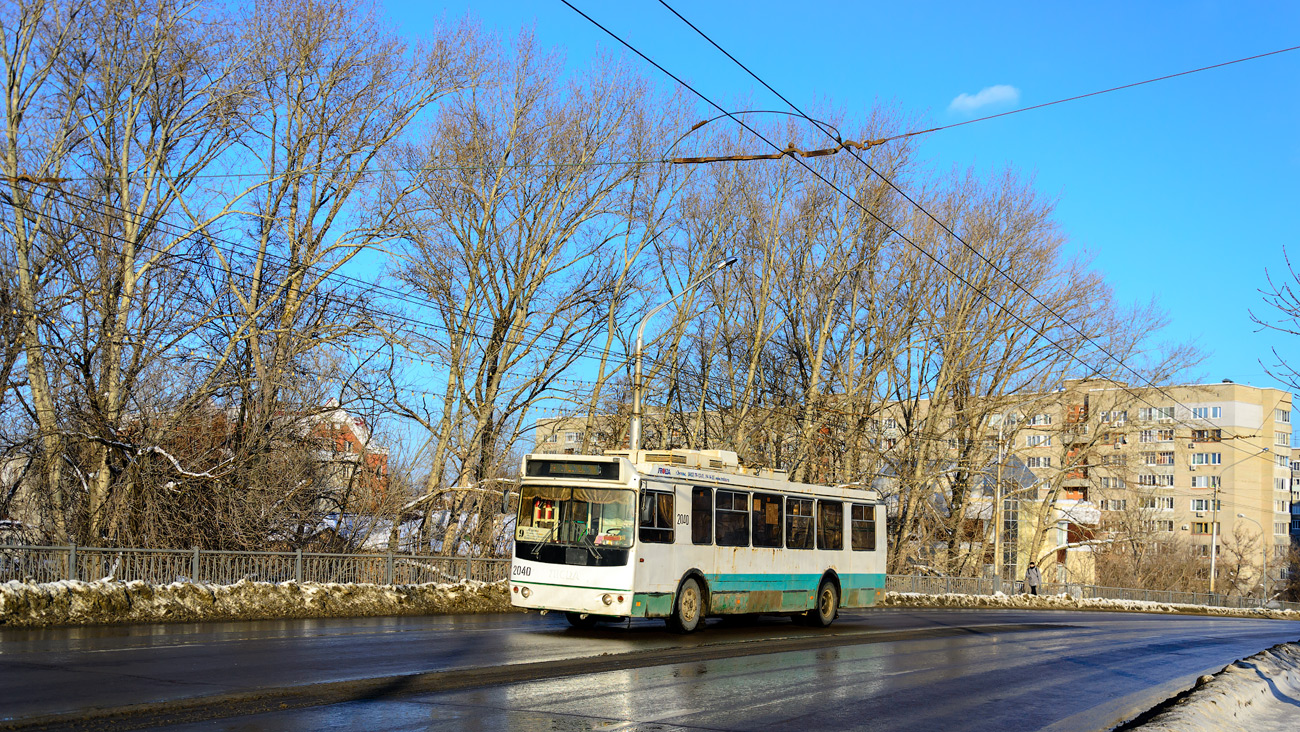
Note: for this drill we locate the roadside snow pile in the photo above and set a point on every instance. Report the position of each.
(92, 603)
(1068, 602)
(1256, 694)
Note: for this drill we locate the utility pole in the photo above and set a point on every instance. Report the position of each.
(1214, 535)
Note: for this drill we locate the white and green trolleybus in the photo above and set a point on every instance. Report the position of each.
(687, 534)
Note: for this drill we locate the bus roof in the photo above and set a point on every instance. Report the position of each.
(716, 467)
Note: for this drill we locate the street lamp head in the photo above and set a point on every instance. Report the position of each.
(724, 263)
(1241, 515)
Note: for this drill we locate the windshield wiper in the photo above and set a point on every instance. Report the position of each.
(537, 548)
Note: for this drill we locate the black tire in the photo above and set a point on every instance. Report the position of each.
(578, 621)
(688, 610)
(828, 603)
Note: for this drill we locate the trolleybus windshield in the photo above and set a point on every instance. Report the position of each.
(596, 517)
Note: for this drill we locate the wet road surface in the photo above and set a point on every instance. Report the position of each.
(881, 669)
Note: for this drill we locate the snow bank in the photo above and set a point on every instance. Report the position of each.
(1068, 602)
(91, 603)
(1257, 694)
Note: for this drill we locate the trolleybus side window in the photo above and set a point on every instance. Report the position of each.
(830, 525)
(798, 523)
(732, 518)
(863, 526)
(767, 520)
(656, 517)
(702, 515)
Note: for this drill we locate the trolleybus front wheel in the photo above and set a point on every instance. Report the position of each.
(828, 601)
(688, 611)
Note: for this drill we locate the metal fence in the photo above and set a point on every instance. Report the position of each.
(163, 566)
(988, 585)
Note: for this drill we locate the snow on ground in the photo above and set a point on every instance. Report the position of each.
(106, 601)
(1256, 694)
(70, 602)
(1068, 602)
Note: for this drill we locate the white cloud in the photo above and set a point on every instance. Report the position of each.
(988, 96)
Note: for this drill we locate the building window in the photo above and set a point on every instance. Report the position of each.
(572, 436)
(1282, 415)
(1205, 481)
(1205, 458)
(1114, 504)
(1282, 438)
(1280, 506)
(1206, 504)
(1207, 412)
(1114, 459)
(1160, 525)
(1038, 440)
(1207, 435)
(1283, 461)
(1147, 436)
(552, 437)
(1112, 483)
(1279, 527)
(891, 423)
(1038, 462)
(1166, 481)
(1147, 479)
(1204, 527)
(1040, 419)
(1279, 484)
(1165, 435)
(1149, 413)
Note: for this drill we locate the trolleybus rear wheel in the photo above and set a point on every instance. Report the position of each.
(828, 601)
(579, 620)
(689, 608)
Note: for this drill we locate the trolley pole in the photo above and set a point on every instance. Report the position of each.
(634, 432)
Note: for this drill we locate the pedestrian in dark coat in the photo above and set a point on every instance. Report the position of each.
(1033, 578)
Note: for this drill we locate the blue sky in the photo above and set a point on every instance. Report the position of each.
(1183, 191)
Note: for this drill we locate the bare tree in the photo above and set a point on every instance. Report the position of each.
(1282, 296)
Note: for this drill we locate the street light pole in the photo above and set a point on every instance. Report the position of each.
(634, 432)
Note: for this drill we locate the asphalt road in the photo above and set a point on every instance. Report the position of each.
(890, 669)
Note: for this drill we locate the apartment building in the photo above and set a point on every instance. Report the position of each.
(1182, 466)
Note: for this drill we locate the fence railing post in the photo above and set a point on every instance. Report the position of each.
(194, 566)
(72, 561)
(469, 568)
(388, 570)
(297, 565)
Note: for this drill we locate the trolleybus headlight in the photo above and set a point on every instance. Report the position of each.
(607, 598)
(525, 592)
